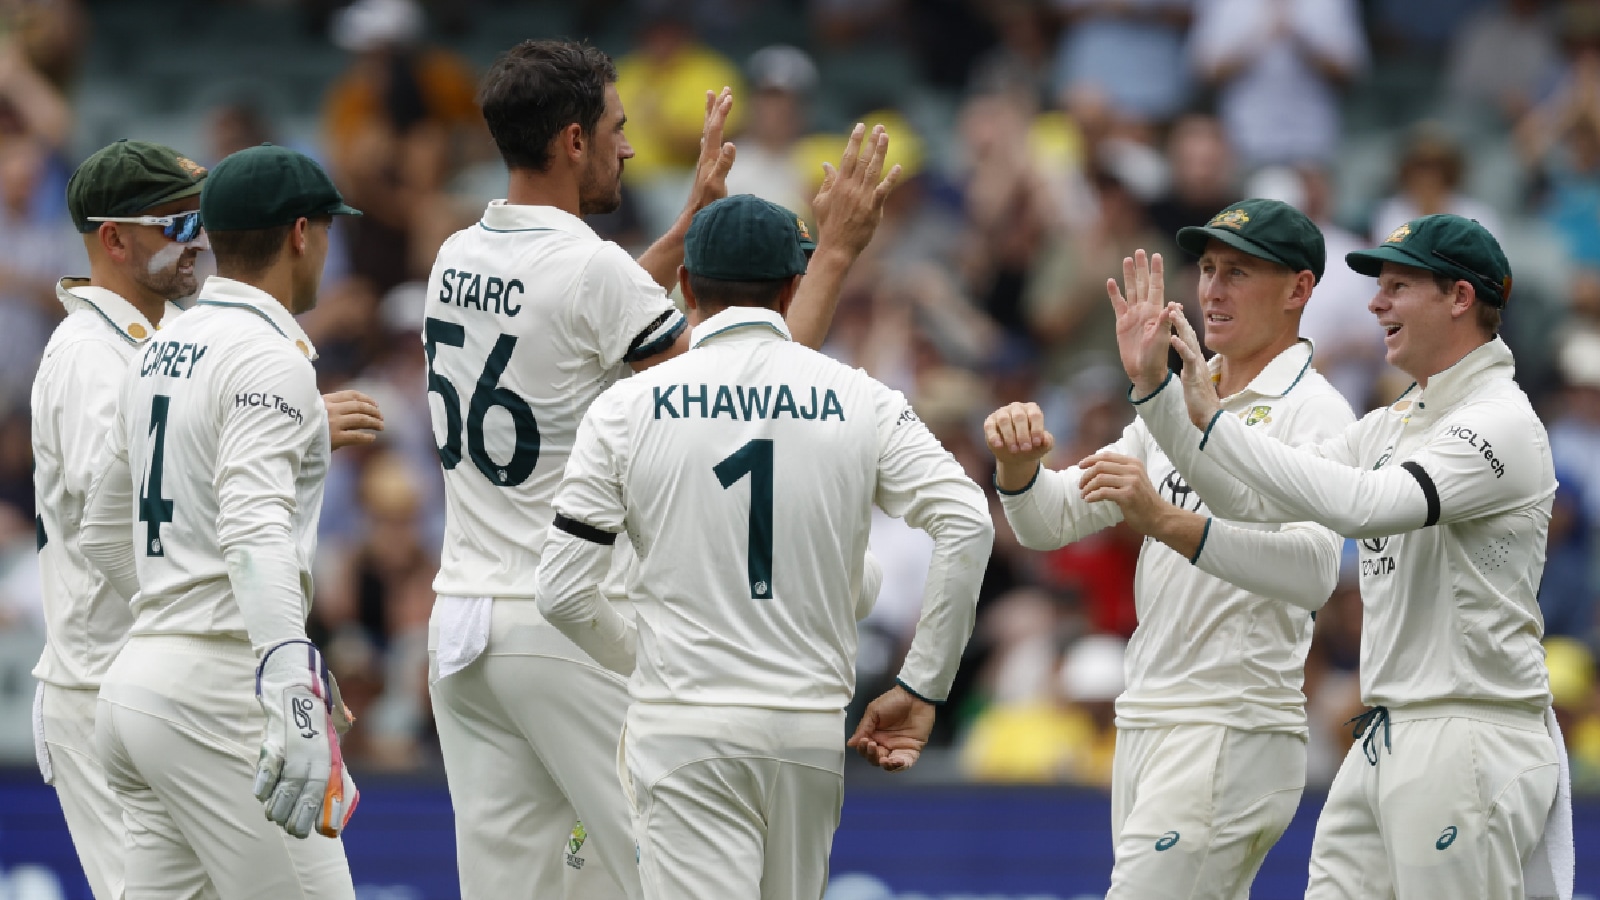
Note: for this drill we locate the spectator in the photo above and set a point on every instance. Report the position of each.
(1069, 317)
(393, 122)
(1503, 58)
(1429, 181)
(782, 79)
(1575, 431)
(1349, 347)
(663, 84)
(1277, 66)
(1559, 139)
(1567, 595)
(1204, 175)
(36, 248)
(1123, 60)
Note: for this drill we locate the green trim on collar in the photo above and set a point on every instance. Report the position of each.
(228, 304)
(727, 328)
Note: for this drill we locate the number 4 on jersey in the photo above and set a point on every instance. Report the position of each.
(754, 459)
(485, 396)
(154, 510)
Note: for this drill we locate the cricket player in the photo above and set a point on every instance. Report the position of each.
(138, 207)
(530, 317)
(743, 475)
(1449, 491)
(1211, 730)
(218, 704)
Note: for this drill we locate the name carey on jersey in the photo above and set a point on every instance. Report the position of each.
(173, 359)
(744, 403)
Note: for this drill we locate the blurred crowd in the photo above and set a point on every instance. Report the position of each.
(1042, 140)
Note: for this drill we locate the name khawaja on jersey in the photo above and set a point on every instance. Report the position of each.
(752, 402)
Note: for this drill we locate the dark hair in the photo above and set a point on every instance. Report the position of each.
(247, 252)
(1488, 313)
(714, 293)
(536, 89)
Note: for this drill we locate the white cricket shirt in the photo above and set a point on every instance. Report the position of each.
(74, 403)
(1222, 638)
(1449, 492)
(530, 316)
(215, 471)
(744, 473)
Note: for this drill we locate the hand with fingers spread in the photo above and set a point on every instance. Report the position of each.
(1142, 329)
(353, 418)
(893, 730)
(1199, 391)
(1124, 481)
(716, 155)
(1019, 440)
(849, 205)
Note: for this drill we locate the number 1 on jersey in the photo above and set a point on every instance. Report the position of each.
(154, 510)
(754, 459)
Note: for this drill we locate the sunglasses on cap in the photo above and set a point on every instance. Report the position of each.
(1494, 288)
(183, 227)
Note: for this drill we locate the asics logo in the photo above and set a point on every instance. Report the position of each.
(1445, 839)
(1167, 841)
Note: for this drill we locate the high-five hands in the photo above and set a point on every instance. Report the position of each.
(1199, 391)
(716, 155)
(849, 204)
(1142, 329)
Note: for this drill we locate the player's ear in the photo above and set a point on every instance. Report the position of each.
(786, 296)
(297, 236)
(572, 142)
(111, 241)
(1300, 292)
(689, 300)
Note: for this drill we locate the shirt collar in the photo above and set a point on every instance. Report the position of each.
(123, 317)
(1456, 383)
(1279, 376)
(740, 320)
(219, 291)
(501, 216)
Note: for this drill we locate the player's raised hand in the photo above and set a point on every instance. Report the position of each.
(1018, 439)
(893, 730)
(849, 204)
(300, 776)
(1142, 329)
(1123, 481)
(716, 154)
(1199, 391)
(353, 418)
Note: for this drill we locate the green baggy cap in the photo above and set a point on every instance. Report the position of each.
(1266, 229)
(1447, 245)
(267, 186)
(127, 178)
(745, 238)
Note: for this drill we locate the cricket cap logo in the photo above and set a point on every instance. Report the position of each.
(1398, 235)
(194, 169)
(1233, 218)
(800, 224)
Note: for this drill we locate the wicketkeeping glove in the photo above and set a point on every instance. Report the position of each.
(301, 777)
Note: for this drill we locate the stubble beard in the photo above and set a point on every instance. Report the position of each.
(166, 281)
(599, 194)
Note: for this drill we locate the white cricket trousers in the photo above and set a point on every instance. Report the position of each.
(94, 817)
(178, 730)
(1195, 808)
(529, 738)
(1454, 804)
(733, 802)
